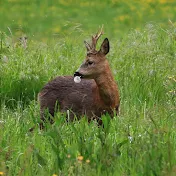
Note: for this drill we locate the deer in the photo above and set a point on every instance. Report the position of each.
(97, 93)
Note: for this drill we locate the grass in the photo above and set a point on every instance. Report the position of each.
(43, 20)
(140, 141)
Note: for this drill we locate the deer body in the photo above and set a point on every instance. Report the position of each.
(96, 94)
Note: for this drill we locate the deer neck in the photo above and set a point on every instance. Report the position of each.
(107, 88)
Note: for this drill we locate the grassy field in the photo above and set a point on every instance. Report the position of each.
(45, 20)
(141, 141)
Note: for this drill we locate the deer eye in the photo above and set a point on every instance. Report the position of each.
(90, 62)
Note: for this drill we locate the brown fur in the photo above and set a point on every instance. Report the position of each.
(95, 95)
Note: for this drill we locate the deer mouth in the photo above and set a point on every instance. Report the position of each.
(78, 74)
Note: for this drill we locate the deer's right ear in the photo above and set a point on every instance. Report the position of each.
(105, 47)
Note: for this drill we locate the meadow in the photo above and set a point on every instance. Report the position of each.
(141, 140)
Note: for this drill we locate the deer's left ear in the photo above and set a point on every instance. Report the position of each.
(105, 47)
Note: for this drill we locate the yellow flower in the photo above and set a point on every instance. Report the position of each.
(170, 77)
(1, 173)
(80, 158)
(57, 29)
(87, 161)
(54, 175)
(173, 78)
(52, 8)
(163, 1)
(122, 18)
(172, 91)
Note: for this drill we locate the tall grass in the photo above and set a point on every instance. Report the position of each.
(140, 141)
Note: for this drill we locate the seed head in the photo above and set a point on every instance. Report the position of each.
(77, 79)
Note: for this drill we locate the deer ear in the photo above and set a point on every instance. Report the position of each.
(104, 47)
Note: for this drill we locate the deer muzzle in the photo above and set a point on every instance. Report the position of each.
(78, 74)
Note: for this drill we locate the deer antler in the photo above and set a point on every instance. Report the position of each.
(96, 37)
(92, 47)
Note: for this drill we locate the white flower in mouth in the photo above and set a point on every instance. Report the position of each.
(77, 79)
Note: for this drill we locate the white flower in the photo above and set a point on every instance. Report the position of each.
(2, 121)
(130, 138)
(77, 79)
(5, 59)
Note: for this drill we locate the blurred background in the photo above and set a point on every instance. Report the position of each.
(48, 19)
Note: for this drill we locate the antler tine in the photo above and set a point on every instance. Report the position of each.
(99, 33)
(96, 37)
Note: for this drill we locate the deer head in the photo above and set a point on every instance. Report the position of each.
(95, 61)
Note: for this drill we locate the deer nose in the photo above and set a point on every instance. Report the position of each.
(78, 74)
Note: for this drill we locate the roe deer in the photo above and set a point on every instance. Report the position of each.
(96, 94)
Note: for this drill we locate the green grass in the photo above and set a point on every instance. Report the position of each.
(140, 141)
(43, 20)
(143, 64)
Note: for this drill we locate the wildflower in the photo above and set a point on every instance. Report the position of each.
(170, 77)
(56, 29)
(68, 156)
(162, 1)
(172, 91)
(87, 161)
(80, 158)
(130, 138)
(77, 79)
(54, 175)
(5, 59)
(173, 78)
(2, 121)
(122, 18)
(1, 173)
